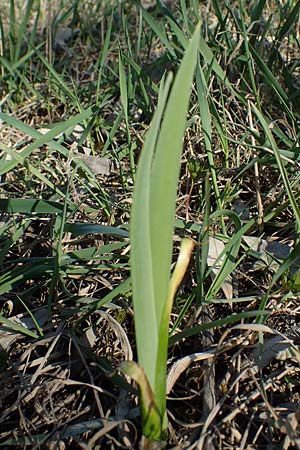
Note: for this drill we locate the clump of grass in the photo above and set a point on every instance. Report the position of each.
(65, 243)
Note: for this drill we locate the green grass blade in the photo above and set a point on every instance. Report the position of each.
(78, 229)
(57, 246)
(159, 31)
(257, 11)
(290, 21)
(33, 170)
(22, 29)
(184, 13)
(152, 225)
(103, 57)
(12, 278)
(203, 239)
(272, 81)
(182, 39)
(141, 258)
(29, 206)
(281, 167)
(215, 323)
(12, 30)
(3, 44)
(230, 253)
(206, 127)
(57, 77)
(15, 73)
(10, 325)
(165, 173)
(34, 31)
(12, 235)
(43, 139)
(13, 122)
(123, 88)
(292, 259)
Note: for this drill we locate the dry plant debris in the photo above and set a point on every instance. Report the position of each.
(232, 386)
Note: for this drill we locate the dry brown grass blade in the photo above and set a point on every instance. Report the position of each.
(182, 364)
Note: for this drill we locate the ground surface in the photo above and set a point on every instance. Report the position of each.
(66, 307)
